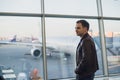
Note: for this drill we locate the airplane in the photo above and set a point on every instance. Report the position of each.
(62, 45)
(53, 46)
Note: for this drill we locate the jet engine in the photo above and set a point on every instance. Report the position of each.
(36, 52)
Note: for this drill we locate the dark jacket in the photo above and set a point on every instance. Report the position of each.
(86, 57)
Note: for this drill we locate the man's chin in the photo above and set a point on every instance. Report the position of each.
(77, 34)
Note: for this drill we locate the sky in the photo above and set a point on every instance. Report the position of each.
(20, 26)
(29, 26)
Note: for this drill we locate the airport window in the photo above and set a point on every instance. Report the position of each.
(111, 8)
(113, 45)
(20, 6)
(61, 36)
(71, 7)
(20, 47)
(23, 28)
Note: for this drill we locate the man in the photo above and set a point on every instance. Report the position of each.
(86, 57)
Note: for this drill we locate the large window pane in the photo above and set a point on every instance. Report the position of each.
(61, 46)
(111, 8)
(72, 7)
(18, 36)
(22, 6)
(112, 33)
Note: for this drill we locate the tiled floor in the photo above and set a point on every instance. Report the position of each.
(109, 78)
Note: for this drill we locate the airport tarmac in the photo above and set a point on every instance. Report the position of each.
(58, 65)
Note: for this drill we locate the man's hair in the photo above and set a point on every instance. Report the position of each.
(84, 23)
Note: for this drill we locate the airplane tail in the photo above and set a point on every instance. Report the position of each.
(13, 39)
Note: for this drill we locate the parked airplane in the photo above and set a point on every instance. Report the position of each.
(65, 45)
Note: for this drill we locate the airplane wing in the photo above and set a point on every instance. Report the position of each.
(4, 42)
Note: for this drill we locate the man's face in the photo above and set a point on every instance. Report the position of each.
(80, 30)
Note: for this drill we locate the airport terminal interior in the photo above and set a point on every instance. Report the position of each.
(38, 38)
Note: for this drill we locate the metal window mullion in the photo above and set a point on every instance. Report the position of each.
(56, 15)
(102, 37)
(43, 41)
(103, 47)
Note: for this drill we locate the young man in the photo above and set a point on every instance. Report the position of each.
(86, 56)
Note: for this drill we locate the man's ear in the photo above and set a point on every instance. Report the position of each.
(85, 28)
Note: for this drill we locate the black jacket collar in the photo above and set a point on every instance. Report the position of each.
(84, 36)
